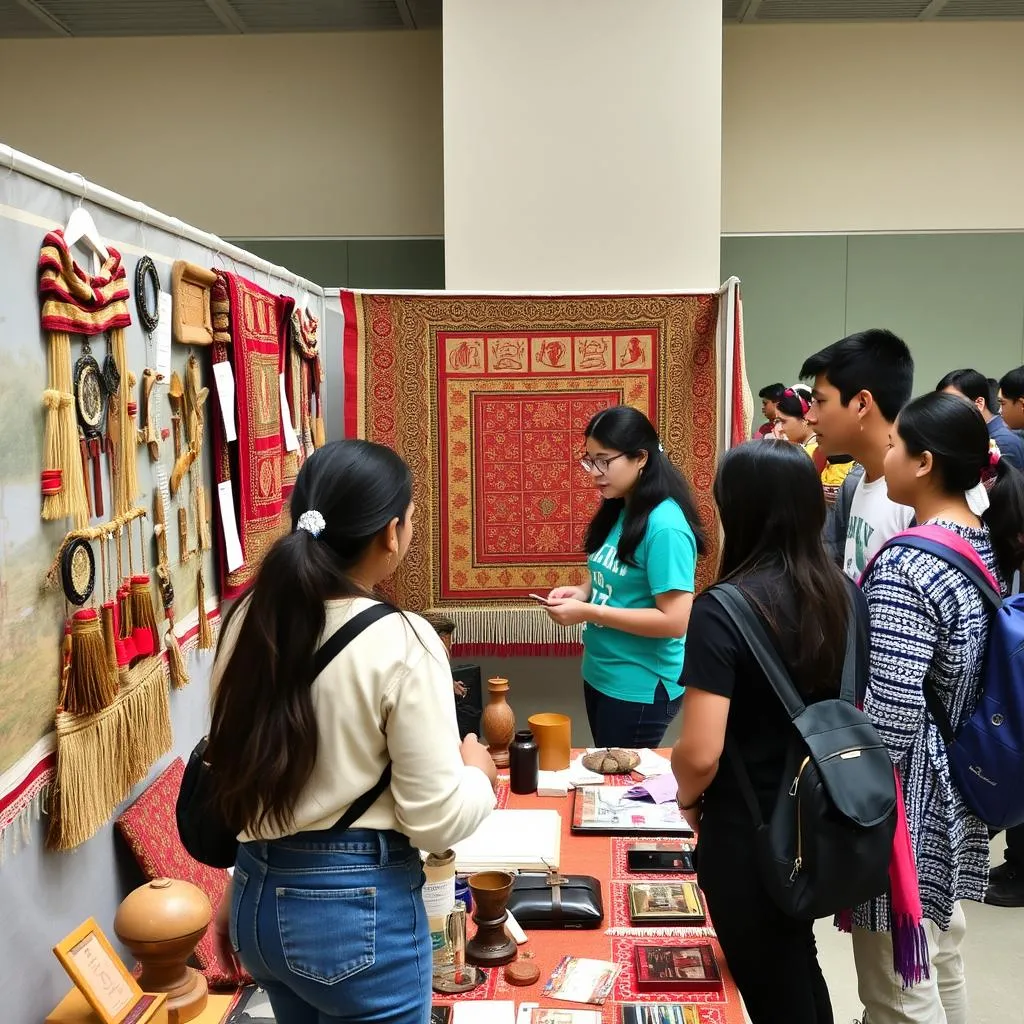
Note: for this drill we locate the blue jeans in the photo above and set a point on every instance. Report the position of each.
(627, 723)
(332, 926)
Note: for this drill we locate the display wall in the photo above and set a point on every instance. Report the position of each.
(45, 894)
(957, 299)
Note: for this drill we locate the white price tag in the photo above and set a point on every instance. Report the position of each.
(291, 440)
(225, 381)
(232, 545)
(163, 335)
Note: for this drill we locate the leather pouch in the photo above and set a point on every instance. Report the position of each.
(552, 900)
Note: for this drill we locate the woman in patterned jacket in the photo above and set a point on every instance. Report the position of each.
(929, 627)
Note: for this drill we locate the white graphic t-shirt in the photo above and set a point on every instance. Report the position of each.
(873, 520)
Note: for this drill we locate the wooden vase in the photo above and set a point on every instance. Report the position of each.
(498, 722)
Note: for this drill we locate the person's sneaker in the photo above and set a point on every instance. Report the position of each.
(1001, 873)
(1007, 890)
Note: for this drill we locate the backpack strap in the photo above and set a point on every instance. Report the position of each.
(328, 651)
(751, 629)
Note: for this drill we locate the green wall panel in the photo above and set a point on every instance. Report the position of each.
(324, 261)
(957, 300)
(794, 299)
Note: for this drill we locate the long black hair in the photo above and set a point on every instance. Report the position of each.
(772, 508)
(263, 738)
(954, 431)
(622, 428)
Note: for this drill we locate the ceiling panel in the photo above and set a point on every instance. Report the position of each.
(983, 9)
(838, 10)
(317, 15)
(18, 23)
(133, 17)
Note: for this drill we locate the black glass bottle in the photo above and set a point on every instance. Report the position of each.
(523, 762)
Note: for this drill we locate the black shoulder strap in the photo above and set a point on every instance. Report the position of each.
(752, 630)
(329, 650)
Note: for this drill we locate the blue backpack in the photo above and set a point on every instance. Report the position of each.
(986, 754)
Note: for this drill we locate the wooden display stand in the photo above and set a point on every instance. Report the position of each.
(74, 1008)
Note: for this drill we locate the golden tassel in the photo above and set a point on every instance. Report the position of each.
(127, 476)
(183, 551)
(109, 643)
(100, 757)
(92, 683)
(202, 518)
(144, 627)
(175, 659)
(205, 641)
(319, 434)
(63, 478)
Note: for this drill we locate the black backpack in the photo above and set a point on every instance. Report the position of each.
(828, 843)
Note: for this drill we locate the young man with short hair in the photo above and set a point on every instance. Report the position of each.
(973, 386)
(769, 396)
(860, 385)
(1011, 398)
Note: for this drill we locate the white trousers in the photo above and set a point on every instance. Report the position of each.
(939, 999)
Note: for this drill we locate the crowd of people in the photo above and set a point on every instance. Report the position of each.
(327, 917)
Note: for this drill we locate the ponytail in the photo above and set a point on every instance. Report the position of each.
(1005, 518)
(263, 736)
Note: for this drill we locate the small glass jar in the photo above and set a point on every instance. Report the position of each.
(523, 762)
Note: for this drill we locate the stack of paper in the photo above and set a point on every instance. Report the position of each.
(485, 1011)
(652, 763)
(559, 783)
(512, 839)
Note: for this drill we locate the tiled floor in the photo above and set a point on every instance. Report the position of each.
(995, 936)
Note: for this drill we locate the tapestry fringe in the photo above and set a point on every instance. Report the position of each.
(100, 757)
(484, 632)
(17, 832)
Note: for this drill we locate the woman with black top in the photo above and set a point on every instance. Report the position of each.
(772, 511)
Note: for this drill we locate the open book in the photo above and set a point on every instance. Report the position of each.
(512, 839)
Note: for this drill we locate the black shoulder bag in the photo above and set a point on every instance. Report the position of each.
(827, 844)
(204, 834)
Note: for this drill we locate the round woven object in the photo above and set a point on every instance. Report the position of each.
(613, 761)
(78, 571)
(522, 972)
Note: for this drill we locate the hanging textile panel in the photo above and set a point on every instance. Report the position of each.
(486, 398)
(248, 324)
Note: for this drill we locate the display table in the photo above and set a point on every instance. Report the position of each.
(604, 857)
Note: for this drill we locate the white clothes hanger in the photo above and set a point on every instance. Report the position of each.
(82, 228)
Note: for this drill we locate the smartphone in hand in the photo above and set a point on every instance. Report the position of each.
(540, 600)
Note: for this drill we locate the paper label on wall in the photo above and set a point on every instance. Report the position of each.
(232, 545)
(225, 381)
(163, 336)
(165, 488)
(291, 440)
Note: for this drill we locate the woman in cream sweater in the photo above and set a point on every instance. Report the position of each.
(329, 921)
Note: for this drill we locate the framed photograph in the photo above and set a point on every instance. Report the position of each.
(677, 968)
(99, 974)
(658, 1013)
(660, 858)
(607, 811)
(440, 1014)
(666, 903)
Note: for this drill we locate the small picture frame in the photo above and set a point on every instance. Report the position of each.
(677, 968)
(191, 318)
(101, 976)
(666, 903)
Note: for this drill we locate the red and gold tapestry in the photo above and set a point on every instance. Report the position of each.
(486, 397)
(248, 328)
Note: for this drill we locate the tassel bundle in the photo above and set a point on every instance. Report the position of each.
(319, 434)
(175, 659)
(63, 480)
(100, 757)
(205, 641)
(144, 628)
(124, 617)
(112, 640)
(92, 681)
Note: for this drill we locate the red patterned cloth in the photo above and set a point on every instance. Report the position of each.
(249, 332)
(149, 828)
(486, 397)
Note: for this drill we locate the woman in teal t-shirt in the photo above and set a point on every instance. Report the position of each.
(642, 544)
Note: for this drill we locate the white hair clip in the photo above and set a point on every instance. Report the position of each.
(661, 447)
(312, 522)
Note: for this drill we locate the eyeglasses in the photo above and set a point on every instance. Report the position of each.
(599, 462)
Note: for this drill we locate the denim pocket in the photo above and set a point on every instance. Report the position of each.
(327, 935)
(238, 880)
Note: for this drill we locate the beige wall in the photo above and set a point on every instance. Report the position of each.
(294, 135)
(846, 128)
(896, 127)
(582, 144)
